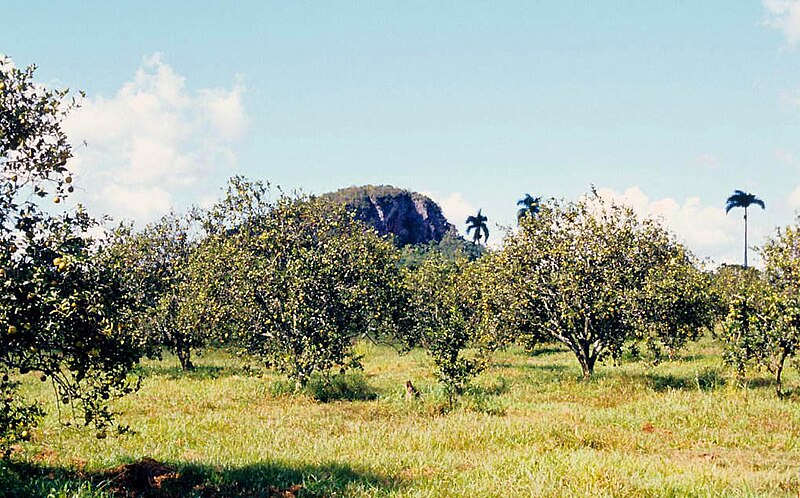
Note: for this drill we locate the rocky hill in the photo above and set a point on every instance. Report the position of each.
(410, 216)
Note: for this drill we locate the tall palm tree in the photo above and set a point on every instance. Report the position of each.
(743, 200)
(530, 206)
(478, 222)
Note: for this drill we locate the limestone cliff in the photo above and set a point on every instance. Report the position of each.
(410, 216)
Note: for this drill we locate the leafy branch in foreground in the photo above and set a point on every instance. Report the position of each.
(63, 308)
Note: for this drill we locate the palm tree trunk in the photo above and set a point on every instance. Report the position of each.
(745, 237)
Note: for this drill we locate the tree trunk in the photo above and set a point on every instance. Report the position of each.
(745, 237)
(587, 360)
(778, 372)
(587, 371)
(185, 357)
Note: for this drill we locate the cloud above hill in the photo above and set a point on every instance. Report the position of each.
(454, 207)
(152, 140)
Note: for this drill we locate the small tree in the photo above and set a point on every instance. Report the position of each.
(443, 319)
(587, 274)
(304, 280)
(676, 304)
(158, 259)
(763, 322)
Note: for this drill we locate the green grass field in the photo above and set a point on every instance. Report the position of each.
(529, 427)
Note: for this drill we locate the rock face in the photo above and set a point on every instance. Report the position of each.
(410, 216)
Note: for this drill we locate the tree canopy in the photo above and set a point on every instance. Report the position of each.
(63, 304)
(591, 275)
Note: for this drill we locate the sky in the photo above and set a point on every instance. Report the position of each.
(666, 105)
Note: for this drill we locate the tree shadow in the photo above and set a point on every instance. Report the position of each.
(546, 350)
(349, 386)
(555, 368)
(200, 372)
(497, 387)
(757, 382)
(148, 478)
(705, 380)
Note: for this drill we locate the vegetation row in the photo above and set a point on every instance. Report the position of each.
(295, 281)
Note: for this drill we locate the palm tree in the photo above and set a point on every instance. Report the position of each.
(743, 200)
(530, 206)
(478, 222)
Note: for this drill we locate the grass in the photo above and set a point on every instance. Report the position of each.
(528, 427)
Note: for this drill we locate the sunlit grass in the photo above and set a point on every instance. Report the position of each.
(530, 426)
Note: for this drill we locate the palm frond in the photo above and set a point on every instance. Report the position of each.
(742, 199)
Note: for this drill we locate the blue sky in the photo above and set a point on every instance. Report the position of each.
(668, 105)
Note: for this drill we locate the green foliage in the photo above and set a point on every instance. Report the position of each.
(159, 261)
(64, 311)
(297, 280)
(441, 320)
(592, 275)
(763, 322)
(62, 308)
(452, 246)
(326, 388)
(17, 417)
(676, 304)
(728, 282)
(33, 147)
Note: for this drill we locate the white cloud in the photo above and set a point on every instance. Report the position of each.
(224, 109)
(787, 157)
(790, 159)
(454, 206)
(784, 16)
(153, 139)
(707, 161)
(704, 229)
(138, 202)
(794, 199)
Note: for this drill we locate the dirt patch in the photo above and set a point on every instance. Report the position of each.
(140, 478)
(650, 429)
(290, 492)
(151, 478)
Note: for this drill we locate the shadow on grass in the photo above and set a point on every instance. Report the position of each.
(704, 380)
(546, 350)
(351, 386)
(557, 368)
(150, 479)
(499, 386)
(200, 372)
(757, 382)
